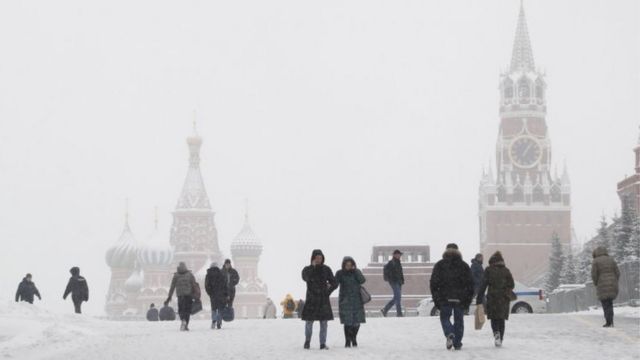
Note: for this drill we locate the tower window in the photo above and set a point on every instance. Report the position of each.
(524, 91)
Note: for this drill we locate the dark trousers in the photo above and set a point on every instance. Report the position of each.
(607, 307)
(397, 299)
(457, 328)
(184, 307)
(232, 295)
(77, 305)
(498, 327)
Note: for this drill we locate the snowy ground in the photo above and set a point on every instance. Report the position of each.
(27, 332)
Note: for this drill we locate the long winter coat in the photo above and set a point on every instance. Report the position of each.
(451, 280)
(605, 274)
(233, 278)
(350, 304)
(183, 283)
(77, 286)
(215, 283)
(320, 284)
(26, 291)
(392, 272)
(499, 282)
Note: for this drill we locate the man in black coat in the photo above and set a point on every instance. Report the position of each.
(452, 292)
(27, 290)
(215, 283)
(393, 274)
(320, 284)
(78, 288)
(477, 271)
(152, 313)
(233, 278)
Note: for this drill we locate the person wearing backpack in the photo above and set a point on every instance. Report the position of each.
(393, 274)
(350, 305)
(288, 307)
(184, 284)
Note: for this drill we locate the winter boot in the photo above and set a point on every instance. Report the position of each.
(497, 340)
(219, 325)
(213, 325)
(183, 325)
(307, 344)
(450, 338)
(384, 312)
(354, 336)
(347, 336)
(324, 347)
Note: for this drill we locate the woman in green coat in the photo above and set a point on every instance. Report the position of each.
(499, 282)
(350, 303)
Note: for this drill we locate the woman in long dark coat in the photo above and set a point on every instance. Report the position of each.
(350, 303)
(499, 282)
(320, 284)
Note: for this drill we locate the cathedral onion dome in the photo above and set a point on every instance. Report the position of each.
(135, 281)
(246, 243)
(156, 251)
(123, 253)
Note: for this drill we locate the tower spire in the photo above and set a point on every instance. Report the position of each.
(522, 56)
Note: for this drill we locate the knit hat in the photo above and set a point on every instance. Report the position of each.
(452, 246)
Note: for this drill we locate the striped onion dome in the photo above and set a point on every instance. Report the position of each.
(156, 251)
(135, 281)
(123, 253)
(246, 242)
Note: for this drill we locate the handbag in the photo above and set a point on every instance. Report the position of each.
(228, 314)
(196, 307)
(480, 318)
(365, 296)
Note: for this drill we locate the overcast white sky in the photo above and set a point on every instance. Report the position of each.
(346, 123)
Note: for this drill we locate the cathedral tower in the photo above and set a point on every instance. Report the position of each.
(193, 235)
(523, 204)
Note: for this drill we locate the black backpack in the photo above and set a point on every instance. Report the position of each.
(385, 272)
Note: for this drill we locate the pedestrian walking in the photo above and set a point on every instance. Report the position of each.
(78, 288)
(393, 274)
(233, 279)
(27, 290)
(350, 305)
(477, 271)
(215, 283)
(185, 287)
(452, 291)
(498, 284)
(320, 284)
(152, 313)
(605, 275)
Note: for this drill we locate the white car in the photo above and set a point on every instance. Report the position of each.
(530, 300)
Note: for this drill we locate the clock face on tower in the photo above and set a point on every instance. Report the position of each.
(525, 152)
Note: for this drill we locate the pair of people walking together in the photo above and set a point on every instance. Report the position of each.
(320, 284)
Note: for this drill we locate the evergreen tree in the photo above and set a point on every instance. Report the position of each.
(635, 241)
(555, 264)
(583, 264)
(568, 275)
(604, 238)
(623, 229)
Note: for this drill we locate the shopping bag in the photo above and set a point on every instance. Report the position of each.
(365, 296)
(480, 317)
(228, 314)
(196, 307)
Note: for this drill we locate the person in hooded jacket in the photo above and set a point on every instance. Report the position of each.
(498, 283)
(215, 283)
(167, 313)
(320, 284)
(185, 287)
(452, 291)
(288, 307)
(605, 275)
(152, 313)
(233, 278)
(269, 310)
(78, 288)
(350, 305)
(477, 271)
(27, 290)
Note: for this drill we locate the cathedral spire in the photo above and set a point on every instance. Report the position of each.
(522, 56)
(194, 195)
